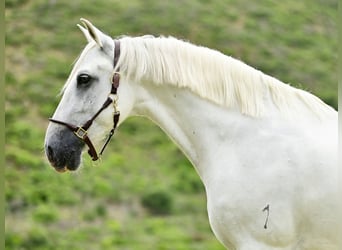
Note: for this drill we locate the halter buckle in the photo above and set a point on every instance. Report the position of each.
(80, 133)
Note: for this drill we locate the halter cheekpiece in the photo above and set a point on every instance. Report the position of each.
(82, 131)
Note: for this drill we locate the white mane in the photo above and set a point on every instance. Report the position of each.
(210, 74)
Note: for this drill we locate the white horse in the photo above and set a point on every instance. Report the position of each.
(265, 151)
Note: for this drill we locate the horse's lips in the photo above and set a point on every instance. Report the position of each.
(61, 170)
(64, 169)
(58, 169)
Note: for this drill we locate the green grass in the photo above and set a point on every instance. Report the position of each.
(144, 194)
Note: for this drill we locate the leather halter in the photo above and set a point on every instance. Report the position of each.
(82, 131)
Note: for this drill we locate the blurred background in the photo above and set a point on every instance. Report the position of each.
(144, 194)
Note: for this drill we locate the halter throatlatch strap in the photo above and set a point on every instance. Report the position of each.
(115, 85)
(82, 131)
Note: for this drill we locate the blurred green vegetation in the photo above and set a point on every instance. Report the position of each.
(144, 194)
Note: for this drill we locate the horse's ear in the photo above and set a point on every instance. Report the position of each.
(92, 33)
(85, 33)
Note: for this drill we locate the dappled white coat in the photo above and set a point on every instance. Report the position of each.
(266, 152)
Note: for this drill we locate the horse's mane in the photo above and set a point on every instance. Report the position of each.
(212, 75)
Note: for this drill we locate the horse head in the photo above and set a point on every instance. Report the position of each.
(90, 97)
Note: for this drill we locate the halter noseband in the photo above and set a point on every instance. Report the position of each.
(82, 131)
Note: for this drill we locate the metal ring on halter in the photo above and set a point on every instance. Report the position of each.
(81, 133)
(114, 98)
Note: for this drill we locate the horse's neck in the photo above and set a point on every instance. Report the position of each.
(196, 125)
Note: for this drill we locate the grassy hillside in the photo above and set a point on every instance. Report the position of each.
(144, 194)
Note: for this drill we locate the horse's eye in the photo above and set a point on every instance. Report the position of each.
(83, 79)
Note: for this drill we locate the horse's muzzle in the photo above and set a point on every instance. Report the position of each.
(63, 149)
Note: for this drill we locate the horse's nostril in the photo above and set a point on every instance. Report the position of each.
(49, 153)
